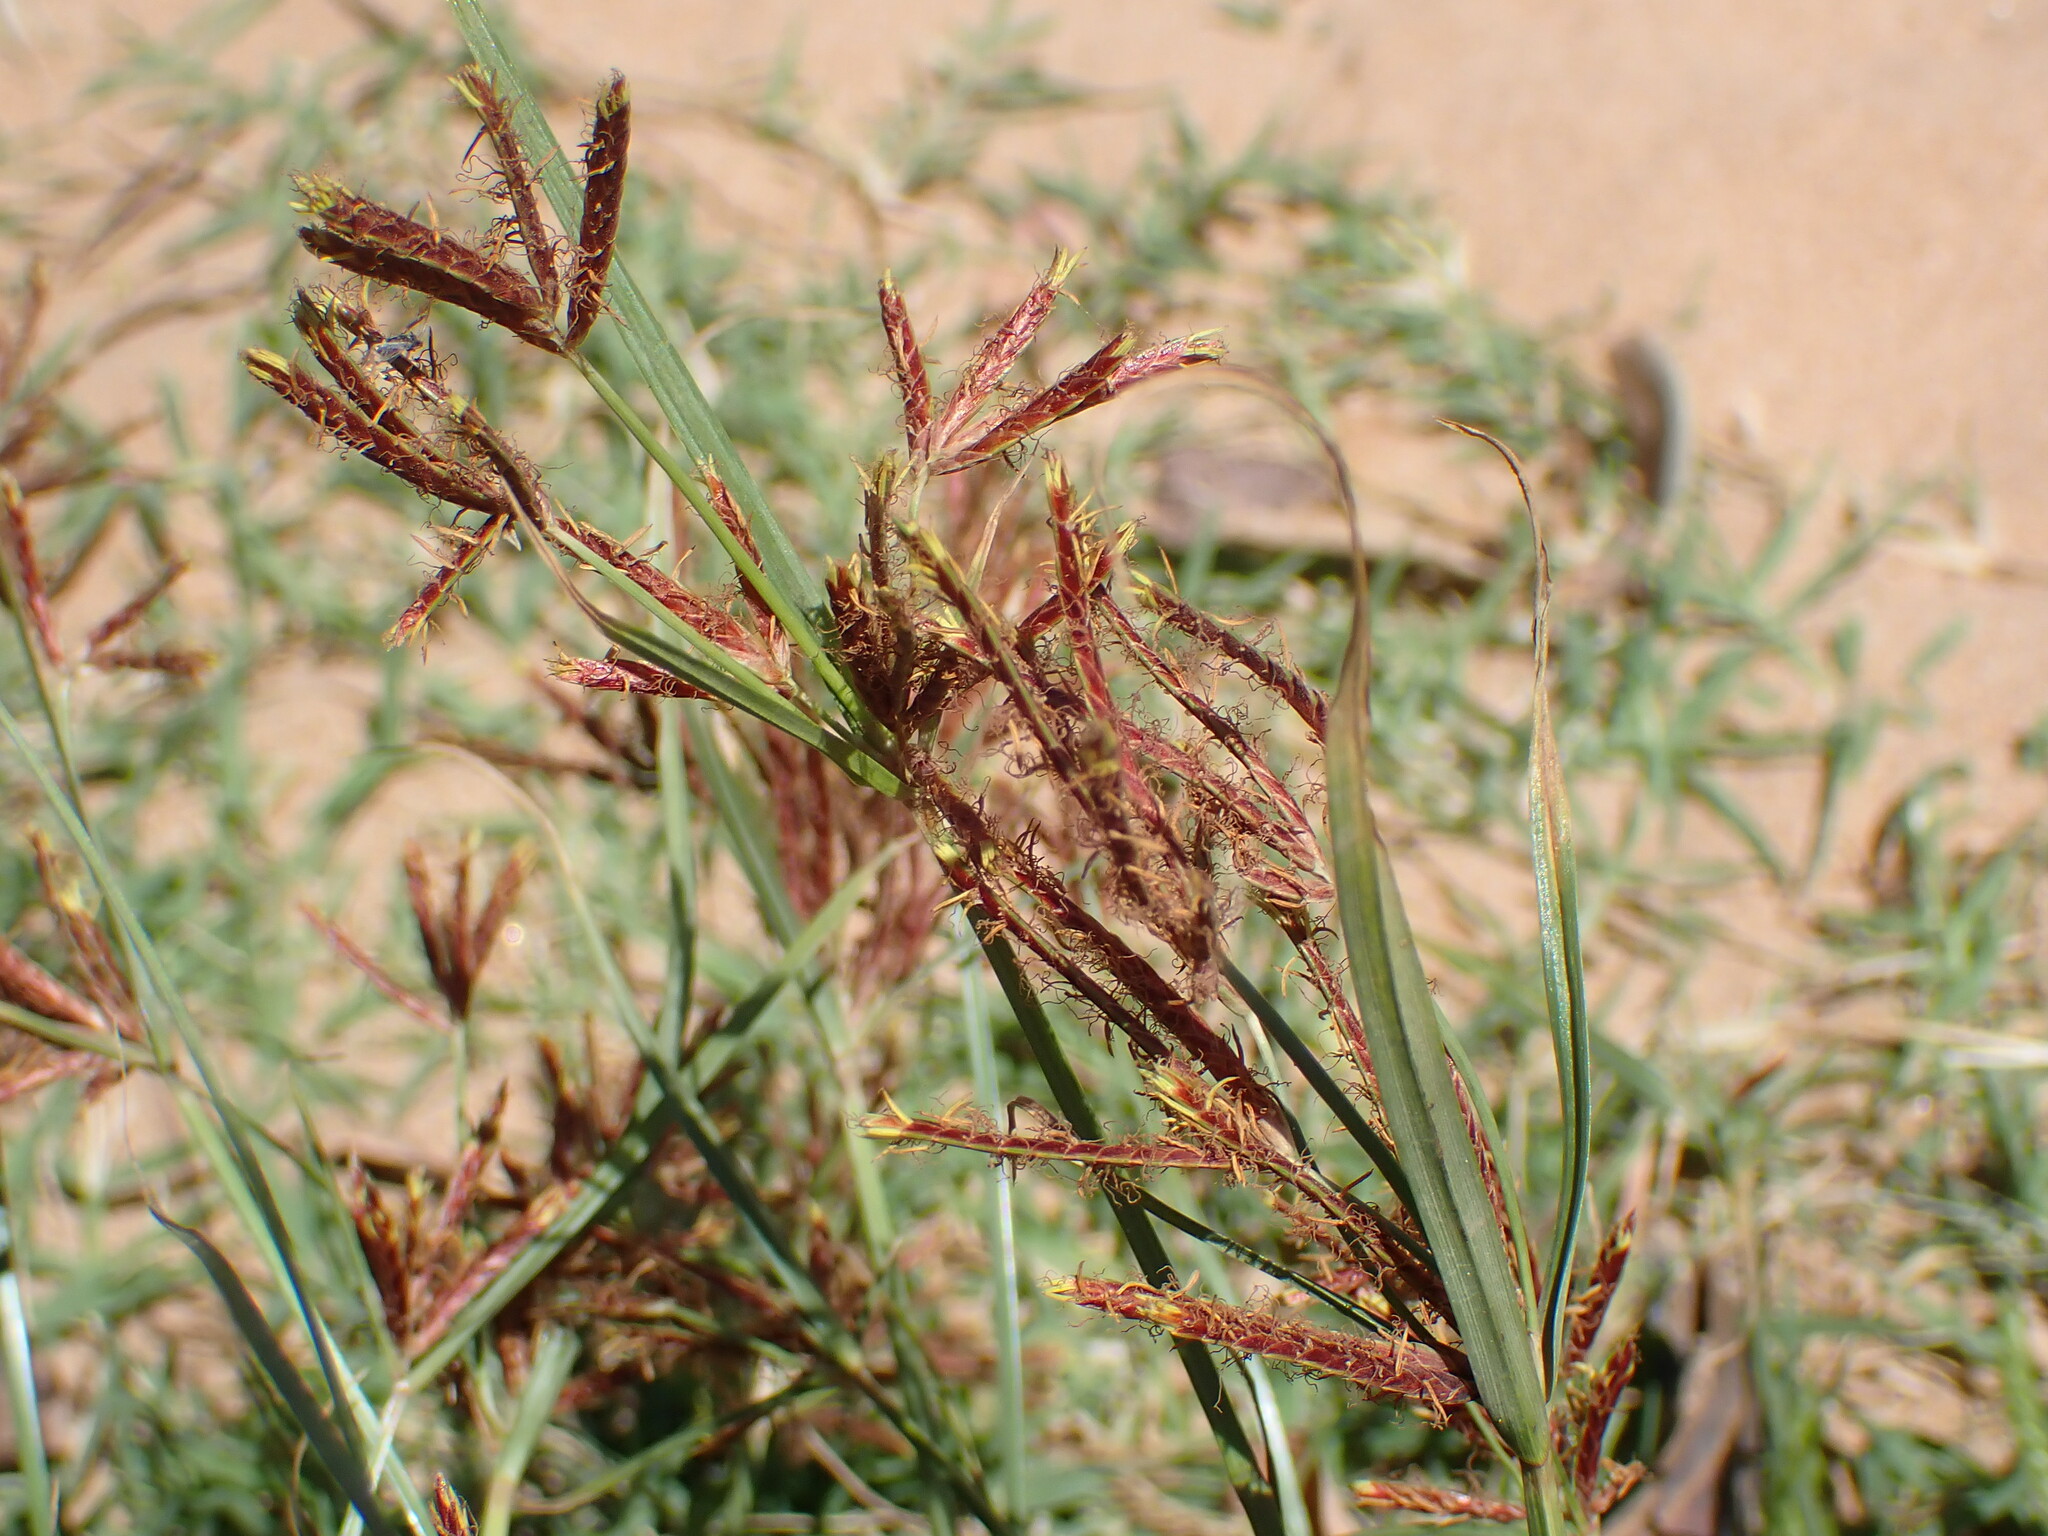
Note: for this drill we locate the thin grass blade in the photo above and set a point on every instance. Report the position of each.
(1564, 968)
(1422, 1109)
(1013, 1425)
(18, 1356)
(554, 1356)
(341, 1460)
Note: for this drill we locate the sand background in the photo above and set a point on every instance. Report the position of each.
(1833, 212)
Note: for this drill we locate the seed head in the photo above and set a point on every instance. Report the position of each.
(1403, 1368)
(386, 246)
(476, 87)
(604, 190)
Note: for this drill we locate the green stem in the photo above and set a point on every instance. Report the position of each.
(19, 1359)
(1543, 1499)
(1012, 1429)
(1254, 1488)
(553, 1358)
(803, 634)
(679, 846)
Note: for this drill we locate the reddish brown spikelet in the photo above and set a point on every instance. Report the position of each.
(907, 367)
(1112, 368)
(1070, 392)
(27, 1064)
(1218, 1118)
(129, 614)
(621, 674)
(354, 953)
(481, 92)
(314, 315)
(176, 661)
(736, 523)
(440, 586)
(463, 1184)
(710, 621)
(994, 358)
(1081, 943)
(1448, 1504)
(27, 570)
(331, 323)
(386, 246)
(1300, 695)
(1308, 943)
(1162, 357)
(1590, 1309)
(512, 466)
(385, 1248)
(1273, 815)
(604, 190)
(27, 985)
(1614, 1374)
(1216, 1115)
(1159, 879)
(1617, 1482)
(975, 1132)
(1384, 1367)
(451, 1515)
(457, 945)
(421, 467)
(534, 1220)
(94, 959)
(728, 510)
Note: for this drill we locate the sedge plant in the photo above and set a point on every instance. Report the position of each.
(1095, 767)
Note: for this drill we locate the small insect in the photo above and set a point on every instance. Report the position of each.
(403, 354)
(411, 355)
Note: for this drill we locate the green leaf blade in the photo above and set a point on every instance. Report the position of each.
(1423, 1114)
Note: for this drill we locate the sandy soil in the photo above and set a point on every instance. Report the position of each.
(1835, 212)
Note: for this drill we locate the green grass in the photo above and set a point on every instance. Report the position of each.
(786, 1257)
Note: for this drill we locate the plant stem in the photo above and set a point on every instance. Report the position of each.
(803, 634)
(1012, 1431)
(1543, 1499)
(1254, 1488)
(554, 1356)
(19, 1358)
